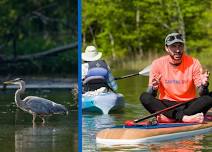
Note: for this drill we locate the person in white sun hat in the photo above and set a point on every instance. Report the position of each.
(91, 54)
(94, 67)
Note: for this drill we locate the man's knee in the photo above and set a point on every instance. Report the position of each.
(146, 98)
(207, 99)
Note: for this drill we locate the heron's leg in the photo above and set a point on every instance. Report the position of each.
(33, 125)
(33, 119)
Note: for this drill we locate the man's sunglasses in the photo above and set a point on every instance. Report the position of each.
(173, 37)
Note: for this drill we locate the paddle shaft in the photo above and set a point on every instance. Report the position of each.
(161, 111)
(126, 76)
(144, 72)
(110, 88)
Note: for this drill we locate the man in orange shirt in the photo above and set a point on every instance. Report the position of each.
(176, 77)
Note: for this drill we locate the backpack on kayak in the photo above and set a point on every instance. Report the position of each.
(97, 76)
(93, 83)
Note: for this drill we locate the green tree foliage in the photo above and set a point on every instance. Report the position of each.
(34, 26)
(123, 27)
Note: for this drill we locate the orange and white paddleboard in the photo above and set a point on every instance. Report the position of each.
(137, 134)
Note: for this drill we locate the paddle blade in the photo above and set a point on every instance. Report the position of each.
(145, 71)
(129, 123)
(132, 123)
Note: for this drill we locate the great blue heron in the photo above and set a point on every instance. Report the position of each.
(35, 105)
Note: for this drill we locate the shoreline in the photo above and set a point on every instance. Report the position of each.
(43, 83)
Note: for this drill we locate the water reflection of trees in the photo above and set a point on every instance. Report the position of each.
(186, 145)
(29, 138)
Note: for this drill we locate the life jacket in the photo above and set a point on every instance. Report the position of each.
(97, 75)
(98, 68)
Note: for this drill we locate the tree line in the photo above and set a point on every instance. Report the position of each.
(35, 27)
(123, 28)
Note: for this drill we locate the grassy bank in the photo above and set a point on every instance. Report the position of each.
(205, 59)
(134, 63)
(137, 63)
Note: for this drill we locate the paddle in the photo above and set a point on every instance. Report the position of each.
(144, 72)
(161, 111)
(110, 88)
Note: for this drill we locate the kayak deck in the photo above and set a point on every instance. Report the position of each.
(103, 103)
(131, 135)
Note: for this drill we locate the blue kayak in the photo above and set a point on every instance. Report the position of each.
(103, 102)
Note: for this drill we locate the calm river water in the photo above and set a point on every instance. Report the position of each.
(17, 134)
(132, 88)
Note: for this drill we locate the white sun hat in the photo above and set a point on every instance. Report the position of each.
(91, 54)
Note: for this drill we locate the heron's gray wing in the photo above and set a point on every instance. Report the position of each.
(38, 105)
(43, 106)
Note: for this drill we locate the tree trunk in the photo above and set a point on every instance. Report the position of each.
(141, 53)
(92, 34)
(14, 48)
(83, 39)
(181, 23)
(112, 46)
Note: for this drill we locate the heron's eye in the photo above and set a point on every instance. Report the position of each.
(17, 79)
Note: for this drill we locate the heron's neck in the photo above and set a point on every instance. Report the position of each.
(18, 93)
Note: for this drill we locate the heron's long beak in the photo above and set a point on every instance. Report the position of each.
(13, 81)
(8, 82)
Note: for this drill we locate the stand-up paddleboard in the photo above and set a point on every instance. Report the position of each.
(145, 133)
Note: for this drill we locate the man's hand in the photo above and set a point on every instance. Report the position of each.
(156, 81)
(205, 78)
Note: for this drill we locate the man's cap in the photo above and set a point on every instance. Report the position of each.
(173, 38)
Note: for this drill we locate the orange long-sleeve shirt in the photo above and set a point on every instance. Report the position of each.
(177, 83)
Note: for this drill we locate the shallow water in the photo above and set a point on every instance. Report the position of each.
(18, 134)
(132, 88)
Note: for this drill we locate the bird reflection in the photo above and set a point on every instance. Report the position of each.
(30, 138)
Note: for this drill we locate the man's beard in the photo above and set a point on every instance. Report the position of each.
(175, 58)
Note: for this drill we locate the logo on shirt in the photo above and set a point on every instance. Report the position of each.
(176, 81)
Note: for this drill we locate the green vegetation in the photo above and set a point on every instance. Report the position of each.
(136, 29)
(31, 27)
